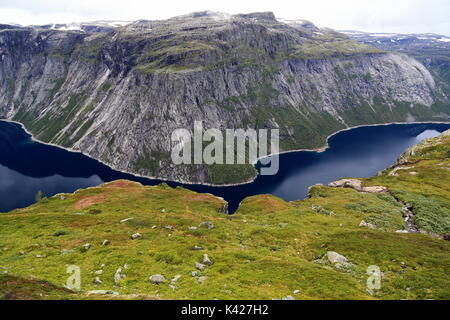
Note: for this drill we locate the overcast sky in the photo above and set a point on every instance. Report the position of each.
(406, 16)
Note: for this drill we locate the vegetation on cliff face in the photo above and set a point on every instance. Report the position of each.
(117, 94)
(268, 249)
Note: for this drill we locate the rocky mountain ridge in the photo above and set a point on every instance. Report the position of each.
(117, 94)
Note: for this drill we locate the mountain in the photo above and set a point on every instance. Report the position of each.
(116, 93)
(432, 50)
(121, 233)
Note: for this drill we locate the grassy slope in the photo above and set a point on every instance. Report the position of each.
(268, 249)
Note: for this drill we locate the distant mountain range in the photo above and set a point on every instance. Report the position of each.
(431, 49)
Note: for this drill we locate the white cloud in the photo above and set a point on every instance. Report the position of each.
(379, 16)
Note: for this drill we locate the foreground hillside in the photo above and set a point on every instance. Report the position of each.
(118, 93)
(269, 249)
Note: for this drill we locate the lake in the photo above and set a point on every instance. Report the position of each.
(27, 167)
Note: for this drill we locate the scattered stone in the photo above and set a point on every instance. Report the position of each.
(79, 213)
(103, 292)
(135, 236)
(206, 260)
(319, 209)
(200, 266)
(157, 279)
(283, 225)
(98, 272)
(169, 227)
(202, 279)
(334, 257)
(172, 286)
(97, 281)
(86, 247)
(118, 276)
(39, 256)
(66, 251)
(192, 228)
(194, 273)
(402, 264)
(102, 265)
(393, 173)
(207, 225)
(153, 227)
(367, 225)
(175, 279)
(401, 231)
(296, 291)
(413, 173)
(288, 298)
(125, 220)
(22, 253)
(196, 248)
(375, 189)
(105, 242)
(62, 197)
(125, 266)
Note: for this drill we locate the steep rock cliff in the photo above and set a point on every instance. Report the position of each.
(118, 94)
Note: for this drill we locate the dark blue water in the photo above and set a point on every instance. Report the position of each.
(27, 167)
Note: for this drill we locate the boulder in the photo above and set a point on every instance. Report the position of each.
(135, 236)
(206, 260)
(367, 225)
(157, 279)
(375, 189)
(200, 266)
(334, 257)
(103, 292)
(207, 225)
(347, 183)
